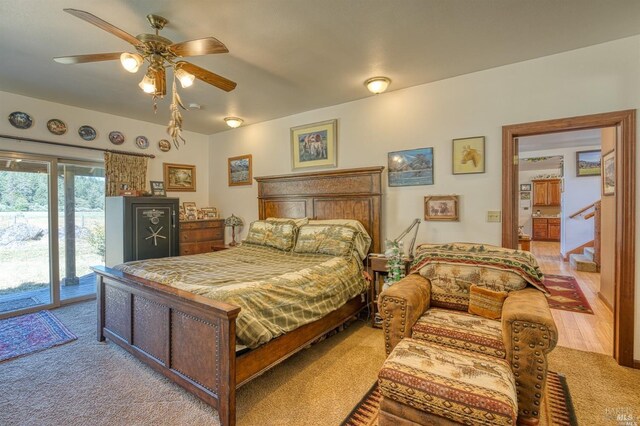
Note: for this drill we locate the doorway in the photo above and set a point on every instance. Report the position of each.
(624, 250)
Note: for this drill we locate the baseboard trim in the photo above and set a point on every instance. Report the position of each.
(605, 301)
(636, 364)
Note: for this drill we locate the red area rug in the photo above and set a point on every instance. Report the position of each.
(31, 333)
(557, 401)
(566, 294)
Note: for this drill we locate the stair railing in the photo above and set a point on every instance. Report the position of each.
(584, 209)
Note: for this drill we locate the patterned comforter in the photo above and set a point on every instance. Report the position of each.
(277, 291)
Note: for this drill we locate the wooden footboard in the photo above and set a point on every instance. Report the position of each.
(187, 337)
(191, 339)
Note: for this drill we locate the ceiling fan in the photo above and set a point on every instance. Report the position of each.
(160, 53)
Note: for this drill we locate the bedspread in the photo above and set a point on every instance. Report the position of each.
(277, 291)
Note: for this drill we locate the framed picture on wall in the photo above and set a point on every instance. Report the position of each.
(157, 188)
(240, 170)
(468, 155)
(609, 173)
(588, 163)
(314, 145)
(411, 167)
(525, 187)
(179, 177)
(441, 207)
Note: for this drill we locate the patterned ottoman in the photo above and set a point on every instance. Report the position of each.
(424, 381)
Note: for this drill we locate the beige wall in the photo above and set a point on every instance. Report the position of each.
(596, 79)
(608, 229)
(195, 152)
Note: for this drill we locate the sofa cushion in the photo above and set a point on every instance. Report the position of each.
(455, 384)
(461, 330)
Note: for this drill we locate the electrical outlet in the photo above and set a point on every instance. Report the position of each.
(494, 216)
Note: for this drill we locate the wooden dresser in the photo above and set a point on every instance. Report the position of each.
(201, 236)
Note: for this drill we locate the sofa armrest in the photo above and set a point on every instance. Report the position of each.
(529, 334)
(401, 305)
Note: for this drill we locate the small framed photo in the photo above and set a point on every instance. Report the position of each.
(468, 155)
(314, 145)
(441, 207)
(240, 170)
(588, 163)
(157, 188)
(179, 177)
(209, 213)
(525, 195)
(609, 173)
(411, 167)
(525, 187)
(181, 214)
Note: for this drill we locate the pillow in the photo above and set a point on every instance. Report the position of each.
(486, 303)
(276, 234)
(298, 221)
(336, 240)
(362, 241)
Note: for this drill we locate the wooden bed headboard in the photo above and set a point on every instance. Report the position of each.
(337, 194)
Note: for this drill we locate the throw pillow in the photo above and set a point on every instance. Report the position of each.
(486, 303)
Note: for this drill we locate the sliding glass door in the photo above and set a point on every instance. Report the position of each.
(51, 231)
(25, 234)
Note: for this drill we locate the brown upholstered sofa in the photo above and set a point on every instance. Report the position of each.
(528, 334)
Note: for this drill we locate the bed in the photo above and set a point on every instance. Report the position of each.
(190, 338)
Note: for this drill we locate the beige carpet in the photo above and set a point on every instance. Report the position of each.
(90, 383)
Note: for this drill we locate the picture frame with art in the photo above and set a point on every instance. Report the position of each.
(525, 187)
(314, 145)
(441, 207)
(525, 195)
(190, 210)
(157, 188)
(209, 213)
(179, 177)
(410, 167)
(239, 170)
(588, 163)
(468, 155)
(609, 173)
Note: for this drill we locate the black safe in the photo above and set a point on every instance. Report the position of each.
(140, 228)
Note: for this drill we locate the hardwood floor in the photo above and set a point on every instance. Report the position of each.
(591, 333)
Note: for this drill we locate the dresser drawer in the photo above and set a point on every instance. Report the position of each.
(201, 224)
(195, 235)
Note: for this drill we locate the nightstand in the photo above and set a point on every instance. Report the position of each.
(378, 268)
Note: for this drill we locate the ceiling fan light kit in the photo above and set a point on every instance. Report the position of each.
(160, 53)
(378, 84)
(233, 122)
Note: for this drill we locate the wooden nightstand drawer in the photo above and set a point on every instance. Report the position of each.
(201, 236)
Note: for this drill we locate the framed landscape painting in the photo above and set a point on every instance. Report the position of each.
(468, 155)
(314, 145)
(240, 170)
(411, 167)
(588, 163)
(609, 173)
(179, 177)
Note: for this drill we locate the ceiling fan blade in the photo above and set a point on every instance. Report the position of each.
(160, 81)
(95, 57)
(201, 46)
(208, 77)
(92, 19)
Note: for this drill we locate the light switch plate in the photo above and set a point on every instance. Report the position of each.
(494, 216)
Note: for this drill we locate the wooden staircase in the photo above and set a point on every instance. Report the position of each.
(589, 259)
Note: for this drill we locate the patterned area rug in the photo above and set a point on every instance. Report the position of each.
(31, 333)
(12, 305)
(557, 399)
(566, 294)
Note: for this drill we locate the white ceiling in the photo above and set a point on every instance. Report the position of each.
(290, 56)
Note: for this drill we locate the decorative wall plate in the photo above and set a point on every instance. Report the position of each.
(164, 145)
(116, 138)
(142, 142)
(20, 120)
(57, 126)
(87, 133)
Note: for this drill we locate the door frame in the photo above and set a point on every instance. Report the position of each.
(625, 232)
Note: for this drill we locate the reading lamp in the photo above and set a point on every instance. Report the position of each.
(415, 224)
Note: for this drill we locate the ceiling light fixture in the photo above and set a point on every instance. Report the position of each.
(186, 79)
(148, 84)
(377, 84)
(233, 122)
(131, 61)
